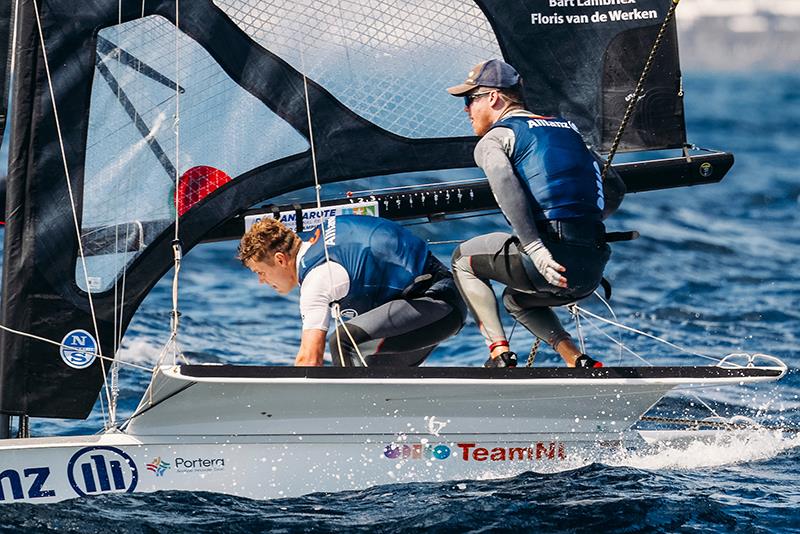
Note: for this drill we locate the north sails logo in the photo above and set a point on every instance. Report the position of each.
(78, 349)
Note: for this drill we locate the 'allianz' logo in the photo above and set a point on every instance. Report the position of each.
(102, 469)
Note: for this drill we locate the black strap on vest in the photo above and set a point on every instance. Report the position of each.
(606, 287)
(298, 217)
(621, 236)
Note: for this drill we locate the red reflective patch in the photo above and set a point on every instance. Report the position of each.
(196, 184)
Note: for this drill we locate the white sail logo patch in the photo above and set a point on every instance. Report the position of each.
(78, 349)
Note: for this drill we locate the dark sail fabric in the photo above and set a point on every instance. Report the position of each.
(376, 78)
(582, 62)
(6, 30)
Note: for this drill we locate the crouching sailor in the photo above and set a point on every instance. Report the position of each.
(549, 187)
(400, 300)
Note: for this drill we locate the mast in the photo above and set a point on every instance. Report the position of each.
(5, 426)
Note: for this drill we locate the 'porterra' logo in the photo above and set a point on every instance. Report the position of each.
(158, 466)
(102, 469)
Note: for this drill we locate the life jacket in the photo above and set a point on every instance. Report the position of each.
(381, 258)
(551, 159)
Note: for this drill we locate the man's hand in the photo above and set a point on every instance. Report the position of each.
(312, 348)
(545, 264)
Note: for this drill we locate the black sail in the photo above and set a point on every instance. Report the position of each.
(583, 61)
(108, 87)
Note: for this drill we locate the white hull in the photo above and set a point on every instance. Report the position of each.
(279, 436)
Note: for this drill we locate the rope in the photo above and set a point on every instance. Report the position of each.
(335, 310)
(70, 193)
(532, 353)
(639, 87)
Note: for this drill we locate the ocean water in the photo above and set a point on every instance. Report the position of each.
(715, 272)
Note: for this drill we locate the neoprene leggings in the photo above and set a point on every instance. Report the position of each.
(527, 296)
(402, 332)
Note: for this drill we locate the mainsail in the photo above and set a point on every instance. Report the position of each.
(162, 89)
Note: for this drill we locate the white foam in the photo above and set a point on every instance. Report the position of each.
(140, 352)
(708, 450)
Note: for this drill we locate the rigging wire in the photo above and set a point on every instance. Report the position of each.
(70, 193)
(617, 342)
(614, 315)
(61, 345)
(114, 386)
(172, 346)
(642, 333)
(335, 310)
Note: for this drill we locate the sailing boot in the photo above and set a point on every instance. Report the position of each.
(506, 359)
(587, 362)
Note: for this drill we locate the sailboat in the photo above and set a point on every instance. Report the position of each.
(143, 129)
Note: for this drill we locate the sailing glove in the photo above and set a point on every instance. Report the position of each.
(549, 268)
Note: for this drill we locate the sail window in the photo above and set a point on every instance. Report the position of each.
(388, 61)
(132, 156)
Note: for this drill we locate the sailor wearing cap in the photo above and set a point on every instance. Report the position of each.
(400, 300)
(549, 187)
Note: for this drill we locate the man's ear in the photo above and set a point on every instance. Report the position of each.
(279, 258)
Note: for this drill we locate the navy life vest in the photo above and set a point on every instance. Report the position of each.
(381, 257)
(551, 158)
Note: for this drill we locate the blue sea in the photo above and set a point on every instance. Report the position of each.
(715, 271)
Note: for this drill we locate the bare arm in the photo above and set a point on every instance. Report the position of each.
(312, 348)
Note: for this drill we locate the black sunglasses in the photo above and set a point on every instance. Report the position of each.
(469, 98)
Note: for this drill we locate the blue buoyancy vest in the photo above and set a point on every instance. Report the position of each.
(551, 158)
(381, 258)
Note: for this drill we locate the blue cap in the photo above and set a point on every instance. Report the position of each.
(492, 73)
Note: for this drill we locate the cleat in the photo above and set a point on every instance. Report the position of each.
(507, 359)
(586, 362)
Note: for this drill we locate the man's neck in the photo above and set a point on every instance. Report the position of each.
(301, 251)
(511, 111)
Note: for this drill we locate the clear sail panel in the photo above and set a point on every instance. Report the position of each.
(162, 108)
(387, 60)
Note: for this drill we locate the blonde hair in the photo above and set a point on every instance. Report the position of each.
(266, 238)
(513, 95)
